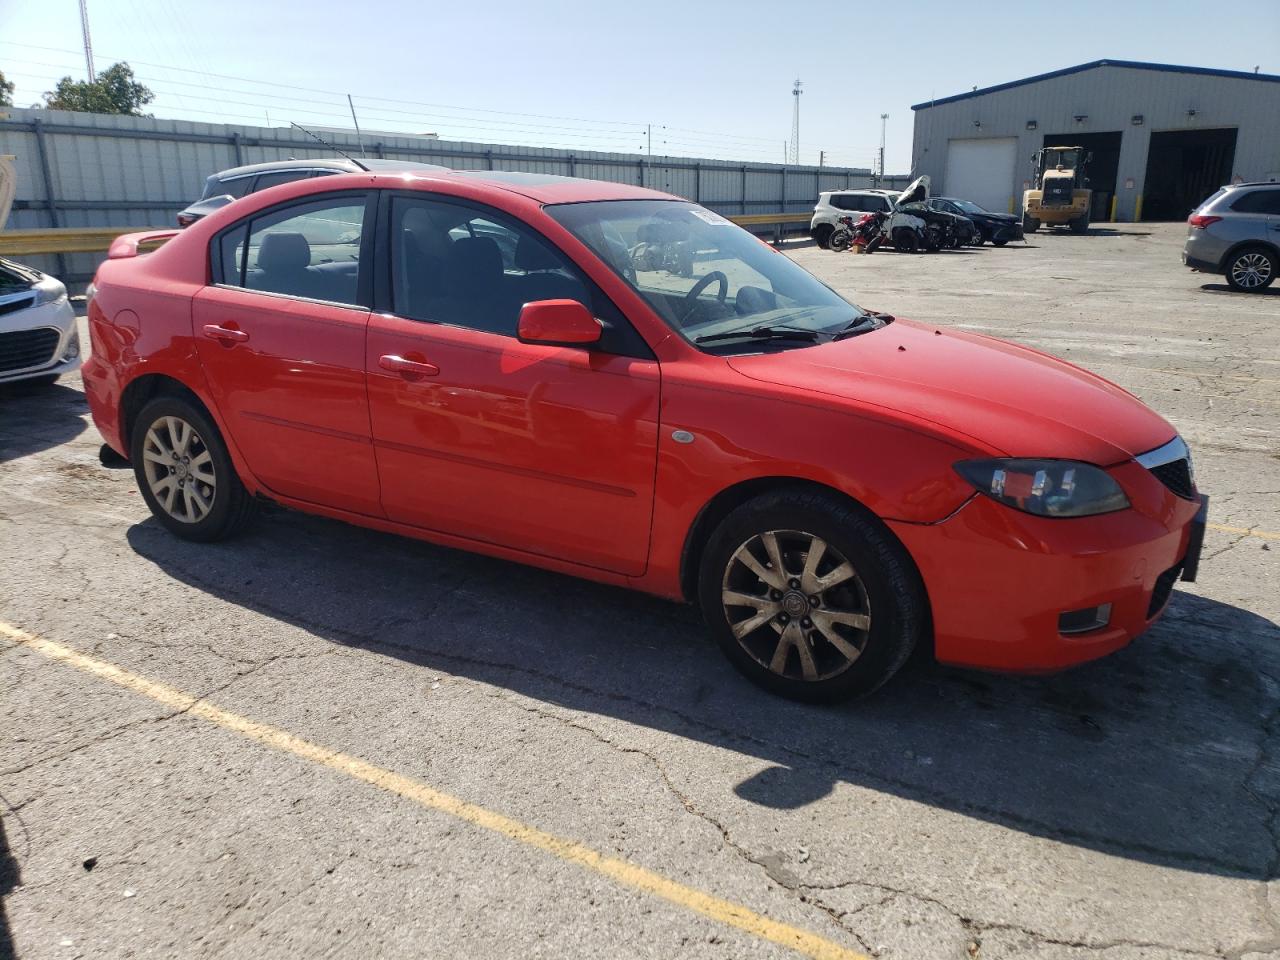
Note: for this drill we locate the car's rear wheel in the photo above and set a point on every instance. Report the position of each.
(822, 235)
(810, 597)
(1252, 269)
(185, 473)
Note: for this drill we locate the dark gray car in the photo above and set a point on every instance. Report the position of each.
(221, 188)
(1236, 233)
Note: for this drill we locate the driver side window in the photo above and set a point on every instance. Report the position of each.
(453, 263)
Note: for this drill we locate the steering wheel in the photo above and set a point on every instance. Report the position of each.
(691, 298)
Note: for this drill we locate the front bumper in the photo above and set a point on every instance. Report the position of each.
(998, 579)
(62, 356)
(1006, 231)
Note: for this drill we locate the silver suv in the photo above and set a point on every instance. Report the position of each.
(1236, 233)
(834, 204)
(228, 185)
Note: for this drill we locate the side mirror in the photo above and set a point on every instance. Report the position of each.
(561, 323)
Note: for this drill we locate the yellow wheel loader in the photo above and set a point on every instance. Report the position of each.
(1060, 194)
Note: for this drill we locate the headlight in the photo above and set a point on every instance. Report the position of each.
(1047, 488)
(50, 290)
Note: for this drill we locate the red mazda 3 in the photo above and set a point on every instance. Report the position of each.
(621, 385)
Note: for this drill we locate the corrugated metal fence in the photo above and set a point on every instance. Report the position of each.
(83, 169)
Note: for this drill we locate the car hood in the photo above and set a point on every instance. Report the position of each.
(916, 192)
(1011, 399)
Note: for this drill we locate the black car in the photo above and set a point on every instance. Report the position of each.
(997, 228)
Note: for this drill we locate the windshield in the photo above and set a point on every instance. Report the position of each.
(968, 206)
(707, 277)
(1061, 158)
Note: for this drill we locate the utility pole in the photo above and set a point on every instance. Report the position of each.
(822, 156)
(649, 135)
(795, 121)
(88, 44)
(883, 118)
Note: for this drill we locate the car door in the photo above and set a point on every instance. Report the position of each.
(546, 449)
(281, 336)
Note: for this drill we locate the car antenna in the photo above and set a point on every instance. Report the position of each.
(329, 145)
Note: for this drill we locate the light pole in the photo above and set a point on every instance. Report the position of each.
(883, 118)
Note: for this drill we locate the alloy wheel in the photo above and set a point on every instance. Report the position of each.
(179, 469)
(1251, 270)
(796, 605)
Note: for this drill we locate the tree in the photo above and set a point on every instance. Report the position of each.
(115, 91)
(6, 91)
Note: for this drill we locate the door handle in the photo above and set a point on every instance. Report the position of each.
(226, 334)
(398, 364)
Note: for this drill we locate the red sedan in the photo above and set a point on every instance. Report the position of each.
(621, 385)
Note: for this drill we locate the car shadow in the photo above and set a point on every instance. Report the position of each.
(1153, 754)
(10, 880)
(38, 417)
(1272, 291)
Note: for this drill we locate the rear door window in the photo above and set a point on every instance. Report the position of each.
(1258, 201)
(266, 180)
(310, 250)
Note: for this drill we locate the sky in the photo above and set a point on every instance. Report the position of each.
(696, 78)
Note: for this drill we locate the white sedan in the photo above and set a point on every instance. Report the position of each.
(38, 338)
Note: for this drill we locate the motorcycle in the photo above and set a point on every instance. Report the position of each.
(867, 232)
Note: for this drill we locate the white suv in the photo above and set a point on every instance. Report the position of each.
(833, 204)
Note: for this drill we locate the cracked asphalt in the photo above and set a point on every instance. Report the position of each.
(1129, 808)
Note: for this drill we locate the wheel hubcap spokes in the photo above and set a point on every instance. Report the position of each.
(179, 469)
(796, 605)
(1251, 270)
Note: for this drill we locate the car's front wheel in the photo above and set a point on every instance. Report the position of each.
(1251, 270)
(185, 473)
(810, 597)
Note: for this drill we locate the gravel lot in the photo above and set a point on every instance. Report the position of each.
(1127, 809)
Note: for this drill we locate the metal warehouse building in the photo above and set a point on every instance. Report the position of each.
(1162, 137)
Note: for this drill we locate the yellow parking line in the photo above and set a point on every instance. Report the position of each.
(620, 871)
(1246, 531)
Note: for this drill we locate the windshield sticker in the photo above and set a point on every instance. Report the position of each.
(707, 216)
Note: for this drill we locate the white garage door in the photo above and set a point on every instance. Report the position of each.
(982, 171)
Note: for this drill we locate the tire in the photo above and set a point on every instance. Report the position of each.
(1080, 224)
(878, 613)
(904, 240)
(839, 241)
(822, 235)
(1029, 224)
(216, 504)
(978, 239)
(998, 243)
(1252, 269)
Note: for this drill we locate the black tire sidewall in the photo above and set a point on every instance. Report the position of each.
(221, 516)
(898, 609)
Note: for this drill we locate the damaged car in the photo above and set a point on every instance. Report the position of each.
(914, 225)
